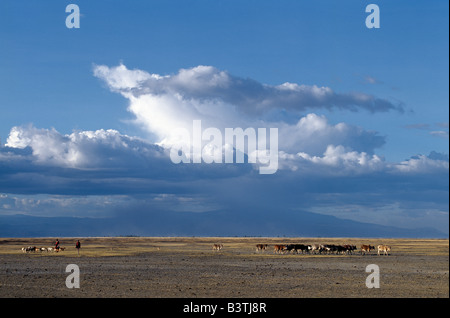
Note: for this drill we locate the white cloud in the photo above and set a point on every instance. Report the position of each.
(163, 104)
(219, 98)
(82, 149)
(47, 145)
(339, 161)
(313, 134)
(103, 150)
(422, 164)
(121, 78)
(335, 161)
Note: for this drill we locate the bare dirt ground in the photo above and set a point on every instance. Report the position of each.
(189, 268)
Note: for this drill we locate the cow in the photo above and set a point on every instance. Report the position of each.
(29, 249)
(261, 247)
(290, 247)
(340, 249)
(384, 248)
(296, 247)
(315, 247)
(348, 248)
(330, 248)
(217, 247)
(279, 248)
(322, 248)
(366, 248)
(301, 247)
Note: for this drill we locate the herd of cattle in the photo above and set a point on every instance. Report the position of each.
(278, 249)
(323, 249)
(42, 249)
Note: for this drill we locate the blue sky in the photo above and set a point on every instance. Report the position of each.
(384, 161)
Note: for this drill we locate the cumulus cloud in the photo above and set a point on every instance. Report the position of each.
(313, 134)
(336, 160)
(433, 163)
(339, 161)
(82, 149)
(164, 104)
(107, 155)
(120, 78)
(101, 161)
(219, 98)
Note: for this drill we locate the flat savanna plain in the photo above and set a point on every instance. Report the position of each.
(178, 267)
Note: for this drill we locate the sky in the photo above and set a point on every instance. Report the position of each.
(88, 114)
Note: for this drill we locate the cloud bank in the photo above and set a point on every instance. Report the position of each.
(323, 167)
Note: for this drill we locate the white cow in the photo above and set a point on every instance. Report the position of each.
(384, 248)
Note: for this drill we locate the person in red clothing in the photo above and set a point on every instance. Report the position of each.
(78, 246)
(57, 245)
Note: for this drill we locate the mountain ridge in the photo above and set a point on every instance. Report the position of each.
(217, 223)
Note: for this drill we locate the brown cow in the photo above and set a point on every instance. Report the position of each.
(279, 248)
(217, 247)
(366, 248)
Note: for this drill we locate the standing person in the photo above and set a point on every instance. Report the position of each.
(78, 246)
(57, 245)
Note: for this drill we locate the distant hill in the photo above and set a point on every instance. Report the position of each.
(219, 223)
